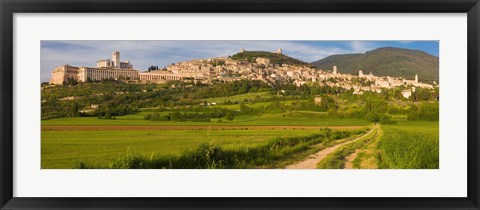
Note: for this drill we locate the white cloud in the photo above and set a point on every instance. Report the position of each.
(406, 41)
(360, 46)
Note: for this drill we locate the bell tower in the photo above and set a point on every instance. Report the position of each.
(116, 59)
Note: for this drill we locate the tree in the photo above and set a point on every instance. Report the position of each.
(108, 115)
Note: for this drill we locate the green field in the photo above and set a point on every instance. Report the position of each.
(238, 125)
(403, 144)
(65, 149)
(240, 97)
(256, 105)
(293, 118)
(410, 144)
(406, 144)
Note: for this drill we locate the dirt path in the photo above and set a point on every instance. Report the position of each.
(349, 159)
(312, 161)
(187, 127)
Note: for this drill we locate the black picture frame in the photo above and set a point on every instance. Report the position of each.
(10, 7)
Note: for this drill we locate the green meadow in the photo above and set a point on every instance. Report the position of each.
(405, 131)
(404, 145)
(288, 118)
(65, 149)
(410, 145)
(240, 97)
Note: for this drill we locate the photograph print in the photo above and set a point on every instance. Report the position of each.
(237, 104)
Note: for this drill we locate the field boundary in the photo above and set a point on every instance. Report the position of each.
(193, 127)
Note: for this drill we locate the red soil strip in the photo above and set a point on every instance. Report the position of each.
(188, 127)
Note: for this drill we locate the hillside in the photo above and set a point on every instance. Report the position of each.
(274, 58)
(387, 61)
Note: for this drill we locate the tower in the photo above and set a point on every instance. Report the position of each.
(334, 69)
(279, 51)
(116, 59)
(242, 50)
(416, 78)
(360, 73)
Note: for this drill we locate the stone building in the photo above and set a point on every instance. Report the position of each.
(156, 76)
(63, 73)
(89, 73)
(360, 73)
(264, 61)
(407, 93)
(318, 100)
(105, 69)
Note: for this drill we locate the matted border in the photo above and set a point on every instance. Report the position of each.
(6, 94)
(449, 30)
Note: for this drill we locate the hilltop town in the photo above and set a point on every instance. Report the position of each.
(242, 66)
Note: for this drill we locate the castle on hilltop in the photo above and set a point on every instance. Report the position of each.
(279, 50)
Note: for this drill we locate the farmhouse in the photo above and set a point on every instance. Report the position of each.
(407, 93)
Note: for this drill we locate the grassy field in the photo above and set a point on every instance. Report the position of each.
(406, 144)
(410, 144)
(294, 118)
(257, 105)
(65, 149)
(239, 98)
(272, 131)
(274, 153)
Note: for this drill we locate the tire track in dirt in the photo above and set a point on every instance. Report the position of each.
(349, 159)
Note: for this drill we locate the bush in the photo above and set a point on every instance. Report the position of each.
(425, 111)
(155, 117)
(201, 120)
(132, 160)
(230, 116)
(386, 119)
(147, 117)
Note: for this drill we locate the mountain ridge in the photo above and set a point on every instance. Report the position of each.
(385, 61)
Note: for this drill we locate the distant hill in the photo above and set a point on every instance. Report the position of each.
(387, 61)
(275, 58)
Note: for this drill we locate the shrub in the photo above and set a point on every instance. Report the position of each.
(230, 116)
(147, 117)
(132, 160)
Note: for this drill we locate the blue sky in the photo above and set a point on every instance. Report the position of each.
(143, 54)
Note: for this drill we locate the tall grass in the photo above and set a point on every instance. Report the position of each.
(212, 156)
(414, 147)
